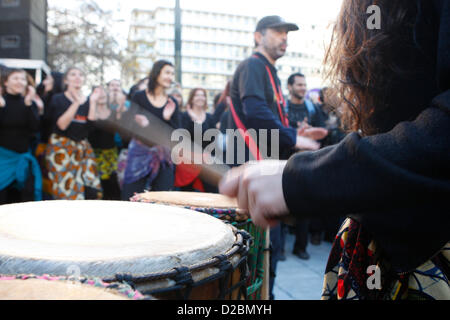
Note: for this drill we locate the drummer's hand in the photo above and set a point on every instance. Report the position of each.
(258, 188)
(304, 143)
(313, 133)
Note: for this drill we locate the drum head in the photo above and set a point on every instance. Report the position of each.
(37, 289)
(190, 199)
(104, 238)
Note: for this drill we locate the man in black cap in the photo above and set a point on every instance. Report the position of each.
(257, 103)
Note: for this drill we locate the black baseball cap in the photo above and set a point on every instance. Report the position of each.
(275, 22)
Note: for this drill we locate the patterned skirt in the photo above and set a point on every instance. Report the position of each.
(71, 168)
(46, 183)
(106, 160)
(356, 270)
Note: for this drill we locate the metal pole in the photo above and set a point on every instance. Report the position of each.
(178, 42)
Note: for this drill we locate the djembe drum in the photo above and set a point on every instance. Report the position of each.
(226, 209)
(28, 287)
(161, 251)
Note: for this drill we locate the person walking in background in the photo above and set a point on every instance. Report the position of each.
(151, 168)
(20, 176)
(71, 165)
(302, 113)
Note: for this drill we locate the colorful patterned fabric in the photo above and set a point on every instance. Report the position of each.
(121, 288)
(143, 162)
(350, 272)
(121, 166)
(106, 160)
(15, 168)
(71, 168)
(40, 156)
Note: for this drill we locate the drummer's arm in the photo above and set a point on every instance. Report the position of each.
(395, 169)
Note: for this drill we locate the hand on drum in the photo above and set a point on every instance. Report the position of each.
(258, 188)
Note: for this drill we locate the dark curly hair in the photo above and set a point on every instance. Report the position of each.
(382, 76)
(155, 72)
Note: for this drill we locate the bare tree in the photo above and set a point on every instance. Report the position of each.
(83, 38)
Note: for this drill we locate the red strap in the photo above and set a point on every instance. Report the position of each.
(279, 98)
(251, 144)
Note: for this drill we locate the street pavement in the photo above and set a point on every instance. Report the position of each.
(299, 279)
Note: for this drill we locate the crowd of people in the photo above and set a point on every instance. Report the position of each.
(67, 149)
(59, 144)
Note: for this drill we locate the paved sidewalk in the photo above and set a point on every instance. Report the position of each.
(301, 279)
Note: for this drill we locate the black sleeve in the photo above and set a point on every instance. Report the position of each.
(175, 121)
(401, 168)
(57, 108)
(186, 122)
(33, 117)
(220, 109)
(252, 80)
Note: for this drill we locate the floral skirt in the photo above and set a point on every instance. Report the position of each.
(71, 169)
(106, 160)
(356, 270)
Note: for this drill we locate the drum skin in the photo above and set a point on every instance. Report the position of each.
(121, 241)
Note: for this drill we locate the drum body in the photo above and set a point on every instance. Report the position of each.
(161, 251)
(62, 288)
(226, 209)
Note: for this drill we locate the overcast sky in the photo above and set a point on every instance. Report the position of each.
(298, 11)
(301, 12)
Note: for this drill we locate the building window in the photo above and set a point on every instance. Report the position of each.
(10, 42)
(10, 3)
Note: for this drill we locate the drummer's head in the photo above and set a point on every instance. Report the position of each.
(162, 75)
(271, 36)
(382, 64)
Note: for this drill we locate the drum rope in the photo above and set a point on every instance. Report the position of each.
(182, 276)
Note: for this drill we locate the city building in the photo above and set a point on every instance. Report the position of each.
(213, 45)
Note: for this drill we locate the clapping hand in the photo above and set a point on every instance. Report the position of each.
(95, 95)
(30, 95)
(169, 109)
(2, 101)
(121, 100)
(141, 120)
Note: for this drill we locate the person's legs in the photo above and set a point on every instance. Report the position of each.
(129, 189)
(27, 193)
(316, 228)
(165, 180)
(111, 188)
(275, 241)
(6, 195)
(301, 239)
(284, 230)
